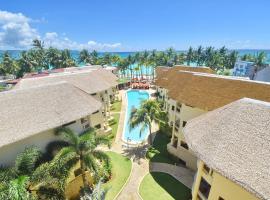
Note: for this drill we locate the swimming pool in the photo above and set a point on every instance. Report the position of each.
(134, 97)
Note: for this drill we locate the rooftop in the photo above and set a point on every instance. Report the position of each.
(26, 112)
(90, 81)
(210, 91)
(234, 140)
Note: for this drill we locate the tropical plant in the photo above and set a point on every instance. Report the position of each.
(83, 150)
(98, 193)
(84, 56)
(143, 117)
(15, 182)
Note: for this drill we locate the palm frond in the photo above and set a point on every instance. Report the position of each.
(68, 135)
(26, 161)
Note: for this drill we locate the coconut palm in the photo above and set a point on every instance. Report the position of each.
(94, 58)
(190, 56)
(84, 56)
(83, 150)
(148, 112)
(260, 58)
(199, 56)
(15, 181)
(66, 60)
(8, 66)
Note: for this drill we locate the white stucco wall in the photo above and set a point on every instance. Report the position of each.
(8, 153)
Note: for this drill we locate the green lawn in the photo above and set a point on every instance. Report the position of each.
(121, 168)
(114, 125)
(160, 186)
(116, 106)
(158, 152)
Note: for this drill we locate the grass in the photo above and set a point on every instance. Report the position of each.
(160, 186)
(121, 168)
(158, 152)
(116, 106)
(114, 125)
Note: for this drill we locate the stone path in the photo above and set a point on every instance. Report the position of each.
(140, 165)
(182, 174)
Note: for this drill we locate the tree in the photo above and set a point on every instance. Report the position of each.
(84, 56)
(199, 56)
(66, 60)
(190, 56)
(260, 58)
(94, 58)
(83, 150)
(15, 181)
(148, 112)
(8, 66)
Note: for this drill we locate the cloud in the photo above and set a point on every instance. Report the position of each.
(16, 32)
(62, 42)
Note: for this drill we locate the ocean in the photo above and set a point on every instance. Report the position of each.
(75, 54)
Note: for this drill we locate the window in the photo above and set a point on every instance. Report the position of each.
(220, 198)
(67, 124)
(84, 120)
(204, 188)
(93, 94)
(98, 126)
(86, 126)
(184, 123)
(175, 141)
(178, 109)
(172, 107)
(206, 168)
(95, 112)
(184, 145)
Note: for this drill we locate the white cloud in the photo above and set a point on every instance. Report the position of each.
(16, 32)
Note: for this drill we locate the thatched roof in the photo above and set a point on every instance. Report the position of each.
(209, 92)
(234, 140)
(26, 112)
(92, 81)
(164, 74)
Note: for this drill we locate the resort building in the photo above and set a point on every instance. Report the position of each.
(30, 116)
(97, 82)
(232, 146)
(191, 94)
(244, 69)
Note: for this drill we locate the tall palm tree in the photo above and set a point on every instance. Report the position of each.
(8, 66)
(38, 44)
(260, 58)
(84, 56)
(190, 56)
(148, 112)
(94, 57)
(83, 150)
(199, 56)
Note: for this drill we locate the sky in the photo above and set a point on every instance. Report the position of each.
(133, 25)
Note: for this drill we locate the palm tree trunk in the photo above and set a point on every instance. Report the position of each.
(83, 171)
(150, 135)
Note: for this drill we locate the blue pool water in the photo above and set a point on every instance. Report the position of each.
(134, 97)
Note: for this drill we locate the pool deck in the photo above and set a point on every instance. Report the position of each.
(140, 165)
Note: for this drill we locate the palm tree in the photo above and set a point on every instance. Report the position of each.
(83, 150)
(94, 58)
(260, 59)
(84, 56)
(38, 44)
(199, 56)
(190, 56)
(148, 112)
(15, 181)
(8, 66)
(66, 59)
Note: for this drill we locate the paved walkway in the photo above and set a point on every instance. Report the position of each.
(182, 174)
(140, 165)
